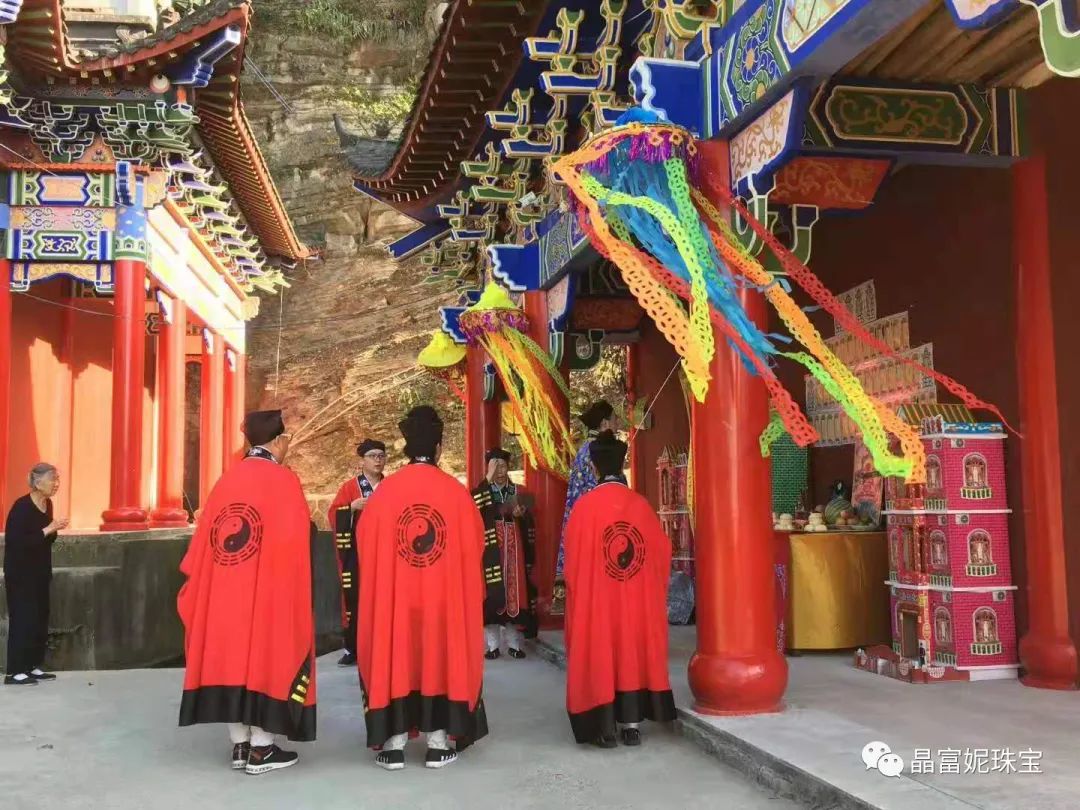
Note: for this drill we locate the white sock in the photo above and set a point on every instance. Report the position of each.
(239, 733)
(491, 636)
(437, 740)
(22, 676)
(36, 671)
(514, 638)
(396, 743)
(260, 738)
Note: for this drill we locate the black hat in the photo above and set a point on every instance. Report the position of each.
(499, 453)
(608, 454)
(367, 445)
(597, 413)
(423, 431)
(262, 427)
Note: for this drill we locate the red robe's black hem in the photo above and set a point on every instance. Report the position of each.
(235, 704)
(628, 707)
(417, 712)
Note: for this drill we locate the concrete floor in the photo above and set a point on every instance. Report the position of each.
(106, 740)
(831, 710)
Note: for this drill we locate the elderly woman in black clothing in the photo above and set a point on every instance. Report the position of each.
(28, 537)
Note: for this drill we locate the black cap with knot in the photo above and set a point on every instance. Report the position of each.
(608, 454)
(596, 413)
(423, 431)
(367, 445)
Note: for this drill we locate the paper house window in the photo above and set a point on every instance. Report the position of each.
(939, 549)
(986, 632)
(976, 484)
(943, 626)
(980, 555)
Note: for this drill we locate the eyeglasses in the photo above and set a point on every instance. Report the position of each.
(376, 456)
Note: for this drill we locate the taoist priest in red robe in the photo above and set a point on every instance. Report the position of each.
(509, 550)
(618, 561)
(420, 644)
(344, 514)
(247, 605)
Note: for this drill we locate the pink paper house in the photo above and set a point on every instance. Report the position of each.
(950, 573)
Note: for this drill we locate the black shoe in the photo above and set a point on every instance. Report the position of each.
(265, 758)
(605, 742)
(390, 760)
(439, 757)
(347, 660)
(26, 680)
(240, 753)
(516, 653)
(38, 675)
(491, 655)
(631, 736)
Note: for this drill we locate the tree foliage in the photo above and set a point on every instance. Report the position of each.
(379, 114)
(605, 380)
(399, 22)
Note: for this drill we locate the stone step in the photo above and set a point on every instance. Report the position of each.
(768, 770)
(82, 609)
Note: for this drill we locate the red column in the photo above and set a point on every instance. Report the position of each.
(172, 358)
(211, 439)
(736, 668)
(5, 376)
(483, 420)
(1047, 652)
(235, 381)
(129, 352)
(549, 490)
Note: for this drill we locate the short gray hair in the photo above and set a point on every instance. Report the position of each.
(39, 471)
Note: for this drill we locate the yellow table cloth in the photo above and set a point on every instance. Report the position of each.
(837, 597)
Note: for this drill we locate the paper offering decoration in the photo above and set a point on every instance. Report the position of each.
(862, 301)
(886, 379)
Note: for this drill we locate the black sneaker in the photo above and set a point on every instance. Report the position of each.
(347, 660)
(390, 760)
(439, 757)
(491, 655)
(240, 753)
(38, 675)
(631, 736)
(265, 758)
(605, 742)
(516, 653)
(25, 680)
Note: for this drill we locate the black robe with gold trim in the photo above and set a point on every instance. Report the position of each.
(509, 546)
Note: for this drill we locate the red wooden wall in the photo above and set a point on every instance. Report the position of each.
(671, 425)
(61, 388)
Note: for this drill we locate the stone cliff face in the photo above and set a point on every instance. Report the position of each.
(337, 350)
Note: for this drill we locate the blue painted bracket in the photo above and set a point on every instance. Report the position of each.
(671, 88)
(417, 240)
(197, 68)
(449, 318)
(516, 267)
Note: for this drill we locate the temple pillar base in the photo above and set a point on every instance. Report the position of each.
(1052, 662)
(125, 519)
(169, 519)
(729, 685)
